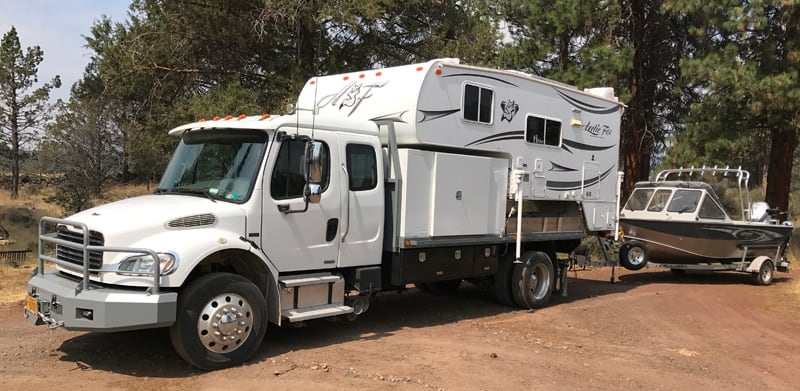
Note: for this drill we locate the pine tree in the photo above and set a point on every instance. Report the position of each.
(23, 109)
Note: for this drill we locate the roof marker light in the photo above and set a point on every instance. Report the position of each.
(346, 78)
(438, 72)
(216, 118)
(227, 117)
(241, 116)
(201, 120)
(313, 82)
(361, 76)
(378, 73)
(419, 69)
(265, 116)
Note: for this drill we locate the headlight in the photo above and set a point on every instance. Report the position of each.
(143, 264)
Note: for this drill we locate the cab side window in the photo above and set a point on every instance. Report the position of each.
(288, 178)
(362, 167)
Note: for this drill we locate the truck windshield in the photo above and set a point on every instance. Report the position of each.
(215, 163)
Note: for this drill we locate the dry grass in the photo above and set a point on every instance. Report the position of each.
(14, 283)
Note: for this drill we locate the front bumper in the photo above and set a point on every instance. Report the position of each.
(59, 301)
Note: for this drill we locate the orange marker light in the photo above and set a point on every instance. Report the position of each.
(361, 76)
(242, 116)
(216, 118)
(346, 78)
(378, 73)
(419, 69)
(201, 120)
(312, 82)
(438, 72)
(227, 117)
(408, 243)
(265, 116)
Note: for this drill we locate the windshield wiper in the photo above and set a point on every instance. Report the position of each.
(183, 190)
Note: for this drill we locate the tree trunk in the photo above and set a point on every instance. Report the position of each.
(635, 148)
(779, 172)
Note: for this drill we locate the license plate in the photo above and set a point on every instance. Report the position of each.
(32, 306)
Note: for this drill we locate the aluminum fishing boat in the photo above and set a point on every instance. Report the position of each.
(682, 224)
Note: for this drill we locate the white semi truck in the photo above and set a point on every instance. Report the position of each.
(424, 174)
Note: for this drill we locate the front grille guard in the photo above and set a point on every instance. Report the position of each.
(48, 228)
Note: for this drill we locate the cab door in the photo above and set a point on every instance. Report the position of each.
(361, 178)
(296, 235)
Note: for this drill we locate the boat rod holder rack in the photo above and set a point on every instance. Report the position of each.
(742, 175)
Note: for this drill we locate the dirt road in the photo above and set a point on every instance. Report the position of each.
(651, 330)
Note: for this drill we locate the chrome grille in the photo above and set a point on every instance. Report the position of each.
(74, 255)
(193, 221)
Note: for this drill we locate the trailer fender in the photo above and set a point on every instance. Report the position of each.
(755, 266)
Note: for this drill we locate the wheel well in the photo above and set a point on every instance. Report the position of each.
(247, 265)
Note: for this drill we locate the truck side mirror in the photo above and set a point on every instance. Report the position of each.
(315, 159)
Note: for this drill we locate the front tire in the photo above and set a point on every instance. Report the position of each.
(221, 321)
(533, 280)
(765, 273)
(633, 256)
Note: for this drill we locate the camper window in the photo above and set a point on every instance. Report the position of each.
(478, 104)
(540, 130)
(288, 177)
(362, 167)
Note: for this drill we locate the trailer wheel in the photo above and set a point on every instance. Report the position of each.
(633, 256)
(221, 321)
(533, 280)
(764, 275)
(502, 280)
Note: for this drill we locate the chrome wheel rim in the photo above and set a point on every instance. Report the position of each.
(539, 281)
(225, 323)
(766, 273)
(636, 255)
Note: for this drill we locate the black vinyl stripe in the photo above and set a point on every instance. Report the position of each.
(587, 106)
(584, 147)
(517, 133)
(483, 76)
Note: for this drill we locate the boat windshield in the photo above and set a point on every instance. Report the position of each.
(638, 200)
(215, 163)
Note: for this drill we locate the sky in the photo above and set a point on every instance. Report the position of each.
(58, 27)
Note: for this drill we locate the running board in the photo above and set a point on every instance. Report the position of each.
(312, 296)
(308, 313)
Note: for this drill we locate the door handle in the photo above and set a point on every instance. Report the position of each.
(330, 230)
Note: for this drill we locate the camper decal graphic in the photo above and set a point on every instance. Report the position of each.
(513, 135)
(576, 185)
(566, 144)
(350, 96)
(588, 107)
(429, 115)
(510, 109)
(597, 130)
(558, 167)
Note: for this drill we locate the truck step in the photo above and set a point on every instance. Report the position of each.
(308, 313)
(308, 280)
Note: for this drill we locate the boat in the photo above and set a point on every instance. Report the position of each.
(681, 223)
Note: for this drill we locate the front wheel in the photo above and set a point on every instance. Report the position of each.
(221, 321)
(764, 275)
(633, 256)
